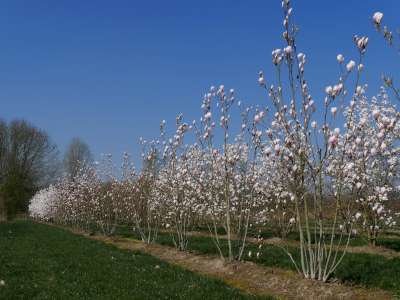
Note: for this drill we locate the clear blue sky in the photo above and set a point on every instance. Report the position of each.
(109, 71)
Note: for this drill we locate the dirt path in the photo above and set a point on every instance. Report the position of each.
(250, 277)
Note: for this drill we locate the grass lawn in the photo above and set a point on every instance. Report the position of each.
(43, 262)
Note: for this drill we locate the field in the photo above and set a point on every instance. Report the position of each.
(284, 185)
(42, 262)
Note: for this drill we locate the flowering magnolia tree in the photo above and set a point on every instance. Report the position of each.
(174, 186)
(320, 162)
(366, 162)
(392, 41)
(325, 169)
(227, 172)
(43, 205)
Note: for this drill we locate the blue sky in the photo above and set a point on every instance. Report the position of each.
(109, 71)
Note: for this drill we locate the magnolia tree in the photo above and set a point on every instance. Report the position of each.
(43, 205)
(392, 41)
(366, 161)
(226, 174)
(352, 165)
(173, 186)
(93, 198)
(146, 205)
(100, 198)
(77, 198)
(311, 155)
(272, 187)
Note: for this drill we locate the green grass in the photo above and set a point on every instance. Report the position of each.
(371, 271)
(43, 262)
(265, 233)
(390, 243)
(368, 270)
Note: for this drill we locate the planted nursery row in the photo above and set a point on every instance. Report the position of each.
(325, 168)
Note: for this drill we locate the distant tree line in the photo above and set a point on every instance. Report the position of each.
(29, 161)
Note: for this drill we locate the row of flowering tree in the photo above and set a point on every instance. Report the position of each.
(322, 168)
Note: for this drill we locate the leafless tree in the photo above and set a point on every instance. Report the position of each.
(28, 161)
(77, 157)
(3, 160)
